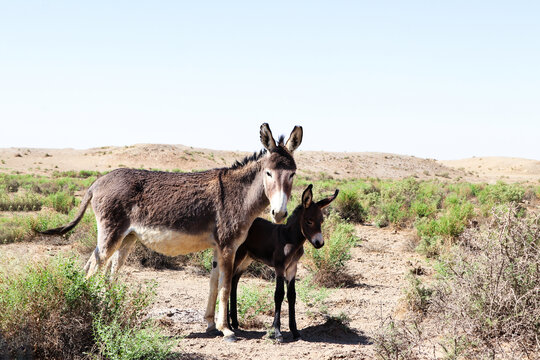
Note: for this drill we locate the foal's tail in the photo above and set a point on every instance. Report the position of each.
(64, 229)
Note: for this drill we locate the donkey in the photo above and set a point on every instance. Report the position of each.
(175, 214)
(280, 247)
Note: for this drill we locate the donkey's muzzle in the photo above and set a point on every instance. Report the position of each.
(278, 217)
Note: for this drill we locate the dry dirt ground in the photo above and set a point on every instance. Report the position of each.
(379, 268)
(379, 265)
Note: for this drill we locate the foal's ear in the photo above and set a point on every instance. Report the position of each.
(325, 202)
(307, 196)
(295, 139)
(266, 137)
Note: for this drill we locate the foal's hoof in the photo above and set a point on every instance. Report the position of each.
(230, 338)
(296, 336)
(279, 338)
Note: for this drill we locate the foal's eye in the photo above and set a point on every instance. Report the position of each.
(268, 174)
(292, 175)
(309, 222)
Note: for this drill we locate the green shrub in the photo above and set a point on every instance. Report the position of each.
(202, 259)
(60, 201)
(312, 295)
(49, 310)
(17, 202)
(15, 229)
(435, 233)
(253, 301)
(327, 264)
(490, 293)
(417, 295)
(349, 208)
(396, 199)
(498, 194)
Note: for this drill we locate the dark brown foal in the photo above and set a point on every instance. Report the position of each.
(281, 246)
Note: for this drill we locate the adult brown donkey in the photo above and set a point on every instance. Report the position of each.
(175, 213)
(281, 247)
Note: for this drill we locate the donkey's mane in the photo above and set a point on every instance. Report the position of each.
(256, 155)
(253, 157)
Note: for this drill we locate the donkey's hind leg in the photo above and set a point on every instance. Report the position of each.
(120, 256)
(109, 240)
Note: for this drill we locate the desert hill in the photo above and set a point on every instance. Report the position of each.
(316, 164)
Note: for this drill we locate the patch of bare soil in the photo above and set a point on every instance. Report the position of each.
(378, 268)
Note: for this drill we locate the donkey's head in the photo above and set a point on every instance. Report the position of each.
(278, 168)
(312, 217)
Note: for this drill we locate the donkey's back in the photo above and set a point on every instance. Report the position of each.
(178, 201)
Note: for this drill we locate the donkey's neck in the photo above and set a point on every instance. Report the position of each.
(249, 180)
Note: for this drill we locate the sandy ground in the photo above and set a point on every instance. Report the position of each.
(379, 268)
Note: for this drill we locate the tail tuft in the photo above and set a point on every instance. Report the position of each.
(64, 229)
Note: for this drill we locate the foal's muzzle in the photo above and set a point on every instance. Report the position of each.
(317, 241)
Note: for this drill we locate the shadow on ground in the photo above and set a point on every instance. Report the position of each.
(332, 332)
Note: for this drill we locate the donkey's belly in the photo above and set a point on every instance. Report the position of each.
(171, 242)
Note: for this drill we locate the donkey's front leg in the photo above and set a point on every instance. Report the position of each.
(278, 299)
(291, 298)
(209, 316)
(225, 264)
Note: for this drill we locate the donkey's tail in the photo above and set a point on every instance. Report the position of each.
(64, 229)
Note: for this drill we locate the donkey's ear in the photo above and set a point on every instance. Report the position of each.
(266, 137)
(325, 202)
(295, 139)
(307, 196)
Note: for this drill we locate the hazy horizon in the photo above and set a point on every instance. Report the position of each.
(432, 80)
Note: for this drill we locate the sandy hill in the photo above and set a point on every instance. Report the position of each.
(316, 164)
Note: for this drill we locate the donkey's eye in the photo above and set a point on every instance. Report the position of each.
(268, 174)
(309, 222)
(292, 175)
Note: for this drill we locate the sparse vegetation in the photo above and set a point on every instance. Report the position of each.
(50, 311)
(485, 301)
(327, 264)
(349, 208)
(254, 301)
(466, 244)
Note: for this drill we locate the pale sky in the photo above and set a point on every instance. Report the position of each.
(437, 79)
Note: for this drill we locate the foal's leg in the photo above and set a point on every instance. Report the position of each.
(278, 299)
(291, 298)
(209, 316)
(241, 262)
(233, 310)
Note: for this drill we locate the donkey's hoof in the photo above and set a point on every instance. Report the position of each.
(296, 336)
(279, 338)
(212, 331)
(230, 338)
